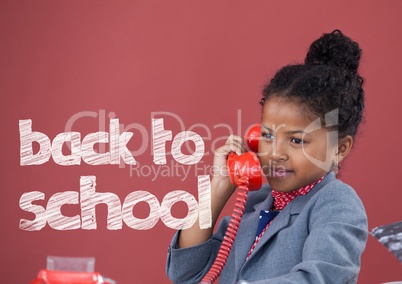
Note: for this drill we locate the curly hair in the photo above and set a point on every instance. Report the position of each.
(328, 80)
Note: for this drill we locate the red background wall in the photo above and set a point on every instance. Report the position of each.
(204, 61)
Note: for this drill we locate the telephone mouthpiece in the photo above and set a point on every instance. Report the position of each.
(245, 165)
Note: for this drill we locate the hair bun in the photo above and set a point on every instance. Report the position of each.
(334, 49)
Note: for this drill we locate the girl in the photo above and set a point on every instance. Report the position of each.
(306, 226)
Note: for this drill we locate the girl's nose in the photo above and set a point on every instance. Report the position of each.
(278, 153)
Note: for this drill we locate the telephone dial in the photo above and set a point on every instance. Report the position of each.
(245, 173)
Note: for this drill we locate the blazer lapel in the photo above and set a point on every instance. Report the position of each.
(281, 221)
(247, 231)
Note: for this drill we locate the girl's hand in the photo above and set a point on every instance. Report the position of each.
(221, 190)
(220, 173)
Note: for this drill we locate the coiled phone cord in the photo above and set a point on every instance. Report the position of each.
(231, 232)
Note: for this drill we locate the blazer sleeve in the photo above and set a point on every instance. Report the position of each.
(189, 265)
(337, 237)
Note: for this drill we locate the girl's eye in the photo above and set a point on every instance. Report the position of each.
(296, 141)
(267, 135)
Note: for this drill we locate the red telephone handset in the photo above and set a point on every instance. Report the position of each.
(247, 165)
(245, 173)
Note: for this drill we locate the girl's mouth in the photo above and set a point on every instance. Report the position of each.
(279, 172)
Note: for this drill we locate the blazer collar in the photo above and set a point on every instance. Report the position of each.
(297, 205)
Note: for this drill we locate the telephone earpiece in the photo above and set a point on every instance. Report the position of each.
(247, 164)
(252, 137)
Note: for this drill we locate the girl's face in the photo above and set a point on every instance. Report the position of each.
(291, 152)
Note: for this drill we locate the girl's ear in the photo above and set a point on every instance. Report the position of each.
(344, 146)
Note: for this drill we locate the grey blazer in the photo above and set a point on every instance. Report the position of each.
(317, 238)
